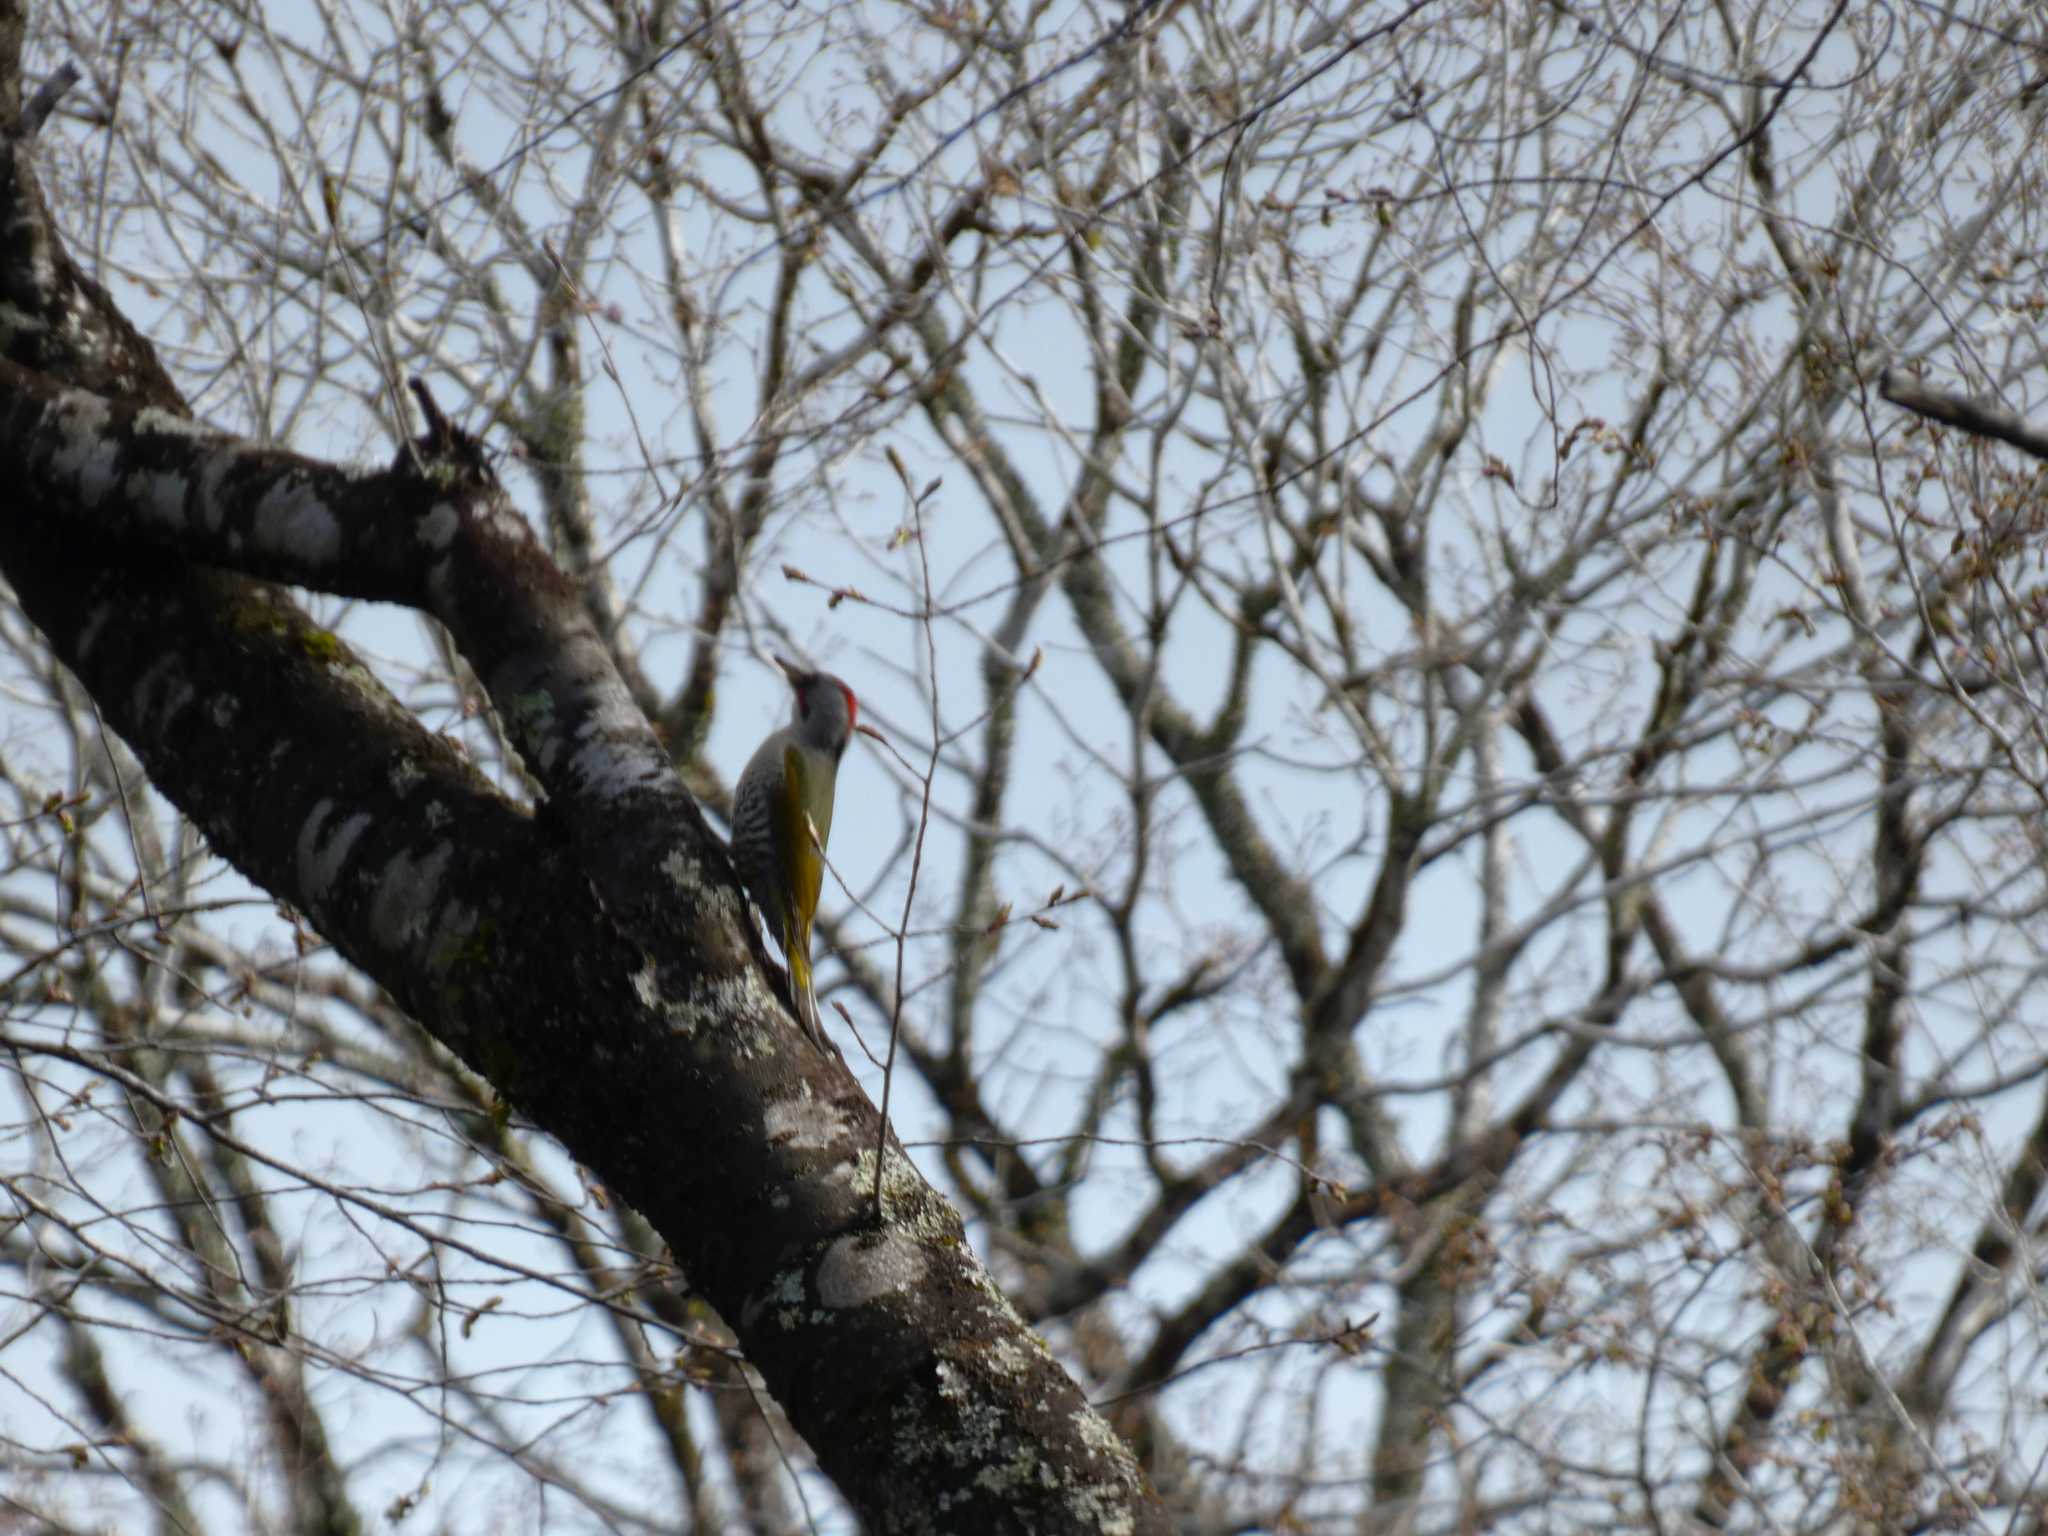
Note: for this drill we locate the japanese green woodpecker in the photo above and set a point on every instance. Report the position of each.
(782, 815)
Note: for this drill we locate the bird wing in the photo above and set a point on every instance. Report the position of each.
(806, 861)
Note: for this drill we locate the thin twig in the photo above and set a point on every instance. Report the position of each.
(924, 817)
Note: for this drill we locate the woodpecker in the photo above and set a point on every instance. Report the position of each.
(782, 815)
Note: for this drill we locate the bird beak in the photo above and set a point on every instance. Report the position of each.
(868, 730)
(789, 668)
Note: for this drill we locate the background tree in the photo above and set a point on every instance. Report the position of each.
(1459, 886)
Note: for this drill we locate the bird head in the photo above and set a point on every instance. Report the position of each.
(826, 710)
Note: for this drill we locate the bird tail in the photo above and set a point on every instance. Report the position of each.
(797, 947)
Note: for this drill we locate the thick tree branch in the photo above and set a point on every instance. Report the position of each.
(1979, 417)
(595, 963)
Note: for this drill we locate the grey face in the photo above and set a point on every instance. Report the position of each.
(825, 711)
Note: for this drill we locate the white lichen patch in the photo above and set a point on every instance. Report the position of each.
(998, 1304)
(685, 873)
(862, 1268)
(84, 457)
(905, 1195)
(16, 322)
(210, 504)
(737, 996)
(293, 519)
(707, 1008)
(406, 775)
(1018, 1354)
(158, 496)
(647, 984)
(785, 1293)
(1104, 1507)
(404, 898)
(1096, 1434)
(955, 1385)
(682, 868)
(437, 529)
(1011, 1466)
(980, 1429)
(162, 423)
(323, 851)
(1022, 1468)
(501, 519)
(804, 1121)
(613, 751)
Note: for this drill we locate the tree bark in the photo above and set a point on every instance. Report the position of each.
(595, 962)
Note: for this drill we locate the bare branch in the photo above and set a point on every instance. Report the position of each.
(1983, 418)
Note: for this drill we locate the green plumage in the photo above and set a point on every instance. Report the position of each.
(785, 793)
